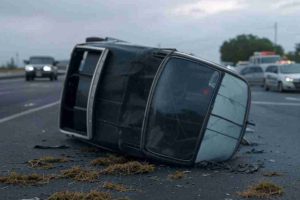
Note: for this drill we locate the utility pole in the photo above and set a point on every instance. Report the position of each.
(275, 33)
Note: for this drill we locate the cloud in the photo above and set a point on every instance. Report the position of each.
(287, 6)
(207, 7)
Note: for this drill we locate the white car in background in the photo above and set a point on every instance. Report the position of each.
(282, 77)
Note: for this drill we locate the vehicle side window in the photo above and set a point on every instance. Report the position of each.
(270, 69)
(245, 71)
(258, 70)
(275, 70)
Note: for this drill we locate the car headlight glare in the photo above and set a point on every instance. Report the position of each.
(289, 79)
(29, 68)
(47, 68)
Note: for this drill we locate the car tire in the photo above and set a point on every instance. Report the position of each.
(266, 87)
(279, 87)
(27, 78)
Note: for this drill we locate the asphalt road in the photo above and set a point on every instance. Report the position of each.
(277, 133)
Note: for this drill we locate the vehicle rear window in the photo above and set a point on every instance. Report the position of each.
(290, 69)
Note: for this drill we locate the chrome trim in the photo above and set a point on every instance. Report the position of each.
(89, 104)
(92, 92)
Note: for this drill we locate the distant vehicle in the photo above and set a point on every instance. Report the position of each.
(282, 77)
(254, 75)
(264, 59)
(153, 103)
(40, 66)
(240, 65)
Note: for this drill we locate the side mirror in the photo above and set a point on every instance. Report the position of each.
(26, 62)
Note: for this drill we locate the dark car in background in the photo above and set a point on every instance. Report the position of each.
(40, 67)
(254, 75)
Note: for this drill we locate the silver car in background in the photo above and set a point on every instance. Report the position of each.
(253, 74)
(282, 77)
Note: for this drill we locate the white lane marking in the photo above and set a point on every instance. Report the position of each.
(5, 92)
(274, 103)
(5, 119)
(29, 104)
(292, 98)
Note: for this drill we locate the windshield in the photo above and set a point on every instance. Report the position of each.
(270, 59)
(290, 69)
(179, 106)
(41, 60)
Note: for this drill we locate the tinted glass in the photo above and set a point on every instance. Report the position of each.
(290, 69)
(225, 125)
(272, 59)
(89, 62)
(41, 60)
(179, 106)
(257, 69)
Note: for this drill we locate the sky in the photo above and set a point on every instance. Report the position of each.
(54, 27)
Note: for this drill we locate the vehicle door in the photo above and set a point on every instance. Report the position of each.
(274, 76)
(258, 76)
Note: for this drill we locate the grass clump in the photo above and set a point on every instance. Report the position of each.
(92, 195)
(177, 175)
(109, 160)
(15, 178)
(46, 162)
(262, 190)
(115, 186)
(128, 168)
(270, 174)
(79, 174)
(89, 150)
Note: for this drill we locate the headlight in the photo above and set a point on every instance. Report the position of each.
(29, 68)
(47, 68)
(289, 79)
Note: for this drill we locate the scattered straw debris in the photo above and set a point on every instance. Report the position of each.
(262, 190)
(92, 195)
(89, 150)
(15, 178)
(79, 174)
(177, 175)
(46, 162)
(115, 186)
(109, 160)
(270, 174)
(133, 167)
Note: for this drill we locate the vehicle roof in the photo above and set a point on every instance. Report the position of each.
(140, 49)
(31, 57)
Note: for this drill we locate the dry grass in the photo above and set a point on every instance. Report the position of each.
(262, 190)
(32, 179)
(109, 160)
(128, 168)
(46, 162)
(270, 174)
(89, 150)
(92, 195)
(177, 175)
(79, 174)
(115, 186)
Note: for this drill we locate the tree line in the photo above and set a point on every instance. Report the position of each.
(243, 46)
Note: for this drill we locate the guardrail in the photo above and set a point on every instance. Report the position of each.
(4, 76)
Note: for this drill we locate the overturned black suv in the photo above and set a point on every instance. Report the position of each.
(152, 102)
